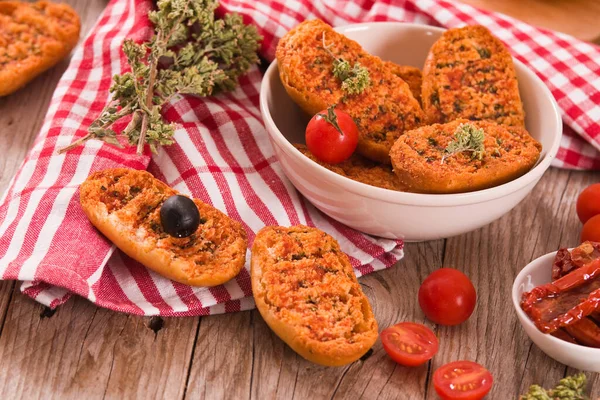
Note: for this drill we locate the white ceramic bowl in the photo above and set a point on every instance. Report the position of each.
(386, 213)
(536, 273)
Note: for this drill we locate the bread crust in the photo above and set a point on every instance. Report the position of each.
(360, 169)
(382, 112)
(124, 205)
(470, 74)
(417, 158)
(34, 37)
(306, 291)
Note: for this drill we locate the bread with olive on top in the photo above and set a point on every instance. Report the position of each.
(187, 241)
(311, 58)
(306, 291)
(463, 156)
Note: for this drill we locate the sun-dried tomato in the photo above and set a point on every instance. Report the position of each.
(566, 300)
(585, 332)
(567, 261)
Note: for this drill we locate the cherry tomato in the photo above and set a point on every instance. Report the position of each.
(462, 380)
(591, 230)
(409, 344)
(447, 297)
(588, 203)
(332, 136)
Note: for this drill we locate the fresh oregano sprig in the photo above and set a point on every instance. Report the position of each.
(467, 137)
(569, 388)
(191, 52)
(355, 78)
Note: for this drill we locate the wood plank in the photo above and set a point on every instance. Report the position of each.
(37, 352)
(145, 364)
(6, 291)
(393, 294)
(222, 360)
(578, 18)
(82, 349)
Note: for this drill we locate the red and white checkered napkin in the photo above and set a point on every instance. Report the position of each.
(223, 156)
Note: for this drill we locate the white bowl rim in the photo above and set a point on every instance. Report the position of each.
(524, 318)
(419, 199)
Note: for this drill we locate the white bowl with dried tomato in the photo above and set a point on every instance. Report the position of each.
(394, 214)
(537, 273)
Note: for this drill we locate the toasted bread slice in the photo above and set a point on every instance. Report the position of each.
(470, 74)
(124, 205)
(306, 291)
(33, 37)
(382, 112)
(360, 169)
(411, 75)
(417, 158)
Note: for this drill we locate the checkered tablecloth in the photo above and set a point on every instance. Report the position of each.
(222, 155)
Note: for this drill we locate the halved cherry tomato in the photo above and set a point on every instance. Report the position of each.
(447, 297)
(332, 136)
(409, 344)
(591, 230)
(588, 202)
(462, 380)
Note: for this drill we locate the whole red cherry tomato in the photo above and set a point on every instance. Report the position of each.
(588, 202)
(332, 136)
(409, 344)
(462, 380)
(447, 297)
(591, 229)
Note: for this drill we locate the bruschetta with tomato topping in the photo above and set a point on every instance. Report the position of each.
(306, 291)
(463, 156)
(308, 58)
(470, 74)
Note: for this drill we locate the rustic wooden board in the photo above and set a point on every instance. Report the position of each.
(6, 290)
(82, 351)
(578, 18)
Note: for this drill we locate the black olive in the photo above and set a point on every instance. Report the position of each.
(179, 216)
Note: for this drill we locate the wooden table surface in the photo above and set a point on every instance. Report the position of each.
(578, 18)
(82, 351)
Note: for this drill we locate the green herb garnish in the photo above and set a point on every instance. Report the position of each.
(569, 388)
(484, 53)
(191, 52)
(355, 78)
(467, 137)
